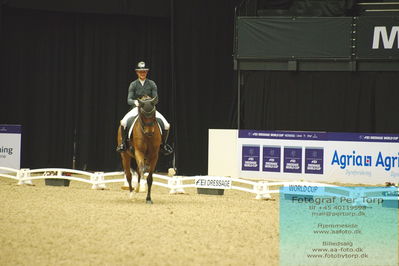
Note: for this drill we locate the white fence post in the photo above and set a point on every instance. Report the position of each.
(262, 189)
(101, 179)
(175, 183)
(172, 183)
(23, 173)
(97, 178)
(179, 189)
(93, 179)
(20, 175)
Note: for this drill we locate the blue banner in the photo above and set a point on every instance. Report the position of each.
(358, 158)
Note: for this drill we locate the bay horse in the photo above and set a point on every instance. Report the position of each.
(146, 141)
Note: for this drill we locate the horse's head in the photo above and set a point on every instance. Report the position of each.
(147, 114)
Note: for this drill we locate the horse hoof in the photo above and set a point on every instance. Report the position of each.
(131, 195)
(149, 202)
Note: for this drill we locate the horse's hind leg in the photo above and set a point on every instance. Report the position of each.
(149, 184)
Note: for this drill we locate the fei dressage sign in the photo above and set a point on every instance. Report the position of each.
(364, 158)
(213, 182)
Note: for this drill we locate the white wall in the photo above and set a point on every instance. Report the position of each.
(10, 146)
(222, 152)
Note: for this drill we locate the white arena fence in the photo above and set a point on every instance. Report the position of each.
(177, 184)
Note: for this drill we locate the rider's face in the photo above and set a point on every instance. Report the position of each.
(142, 74)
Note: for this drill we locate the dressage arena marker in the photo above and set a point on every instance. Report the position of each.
(176, 184)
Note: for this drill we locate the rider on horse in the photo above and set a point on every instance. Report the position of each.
(137, 89)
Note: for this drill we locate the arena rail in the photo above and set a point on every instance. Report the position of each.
(176, 184)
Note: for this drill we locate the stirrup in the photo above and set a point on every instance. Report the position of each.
(166, 149)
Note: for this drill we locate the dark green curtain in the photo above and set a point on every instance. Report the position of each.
(1, 24)
(205, 88)
(65, 76)
(320, 101)
(1, 17)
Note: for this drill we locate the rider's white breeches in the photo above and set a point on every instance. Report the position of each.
(134, 112)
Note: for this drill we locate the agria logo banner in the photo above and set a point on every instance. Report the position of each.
(387, 162)
(319, 156)
(368, 162)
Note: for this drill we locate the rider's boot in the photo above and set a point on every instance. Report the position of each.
(123, 146)
(166, 149)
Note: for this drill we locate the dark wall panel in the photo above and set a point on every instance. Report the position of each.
(273, 37)
(320, 101)
(151, 8)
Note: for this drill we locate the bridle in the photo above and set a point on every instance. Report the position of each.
(143, 124)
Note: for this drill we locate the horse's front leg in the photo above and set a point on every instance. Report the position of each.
(153, 163)
(140, 168)
(149, 184)
(126, 167)
(137, 187)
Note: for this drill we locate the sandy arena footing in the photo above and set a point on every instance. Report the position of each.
(45, 225)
